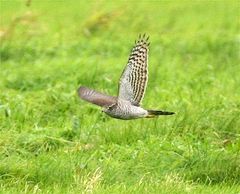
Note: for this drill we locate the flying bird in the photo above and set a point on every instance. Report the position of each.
(132, 86)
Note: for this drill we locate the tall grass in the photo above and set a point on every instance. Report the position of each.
(50, 141)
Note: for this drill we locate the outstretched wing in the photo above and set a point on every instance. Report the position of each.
(133, 82)
(95, 97)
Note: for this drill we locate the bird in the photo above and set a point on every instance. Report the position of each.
(131, 88)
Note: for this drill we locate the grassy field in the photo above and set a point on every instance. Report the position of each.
(52, 142)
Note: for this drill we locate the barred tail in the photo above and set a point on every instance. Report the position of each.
(155, 113)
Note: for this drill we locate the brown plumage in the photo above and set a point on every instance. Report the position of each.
(95, 97)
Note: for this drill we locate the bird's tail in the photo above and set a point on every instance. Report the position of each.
(155, 113)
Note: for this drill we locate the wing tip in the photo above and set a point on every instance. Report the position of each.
(143, 38)
(81, 90)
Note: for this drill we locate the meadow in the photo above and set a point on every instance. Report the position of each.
(53, 142)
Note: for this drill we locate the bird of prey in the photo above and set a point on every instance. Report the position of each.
(132, 86)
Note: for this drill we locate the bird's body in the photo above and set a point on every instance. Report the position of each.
(132, 86)
(125, 110)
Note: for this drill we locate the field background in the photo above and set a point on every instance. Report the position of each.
(52, 142)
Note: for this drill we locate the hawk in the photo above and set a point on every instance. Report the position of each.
(132, 86)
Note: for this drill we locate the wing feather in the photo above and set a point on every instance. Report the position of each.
(95, 97)
(133, 81)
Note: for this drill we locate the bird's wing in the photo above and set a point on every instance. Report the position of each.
(95, 97)
(133, 81)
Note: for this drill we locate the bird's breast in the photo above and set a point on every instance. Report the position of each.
(125, 110)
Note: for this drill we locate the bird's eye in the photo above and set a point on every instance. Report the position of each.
(110, 107)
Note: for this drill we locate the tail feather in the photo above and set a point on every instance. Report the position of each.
(155, 113)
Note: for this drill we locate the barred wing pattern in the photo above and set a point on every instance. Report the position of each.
(95, 97)
(133, 82)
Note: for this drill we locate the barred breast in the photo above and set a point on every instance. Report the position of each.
(125, 110)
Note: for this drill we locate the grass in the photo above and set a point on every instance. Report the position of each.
(52, 142)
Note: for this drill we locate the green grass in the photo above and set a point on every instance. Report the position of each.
(52, 142)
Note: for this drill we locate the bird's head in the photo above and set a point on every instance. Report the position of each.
(108, 109)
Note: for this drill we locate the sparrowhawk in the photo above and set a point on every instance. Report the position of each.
(132, 86)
